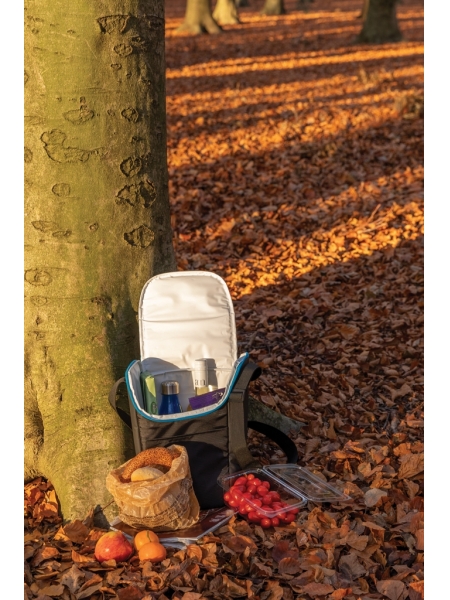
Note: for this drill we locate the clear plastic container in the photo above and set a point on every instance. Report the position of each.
(294, 485)
(287, 495)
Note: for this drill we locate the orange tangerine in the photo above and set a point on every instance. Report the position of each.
(153, 551)
(144, 537)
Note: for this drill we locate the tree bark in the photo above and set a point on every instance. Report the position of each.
(225, 12)
(97, 227)
(363, 14)
(379, 22)
(304, 5)
(242, 3)
(198, 18)
(273, 7)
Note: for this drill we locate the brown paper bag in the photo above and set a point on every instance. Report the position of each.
(167, 503)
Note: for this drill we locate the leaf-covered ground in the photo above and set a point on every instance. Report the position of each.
(296, 173)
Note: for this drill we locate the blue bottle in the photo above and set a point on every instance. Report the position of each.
(170, 404)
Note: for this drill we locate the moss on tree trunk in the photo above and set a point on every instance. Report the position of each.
(273, 7)
(225, 12)
(379, 22)
(198, 18)
(97, 226)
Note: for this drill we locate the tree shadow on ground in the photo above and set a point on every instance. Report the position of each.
(356, 320)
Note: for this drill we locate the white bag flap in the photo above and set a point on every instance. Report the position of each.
(183, 316)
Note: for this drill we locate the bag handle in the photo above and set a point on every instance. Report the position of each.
(112, 400)
(279, 437)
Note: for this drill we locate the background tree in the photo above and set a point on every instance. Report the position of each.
(304, 4)
(273, 7)
(198, 18)
(226, 13)
(97, 226)
(379, 22)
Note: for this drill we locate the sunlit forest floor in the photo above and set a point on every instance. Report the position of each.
(296, 173)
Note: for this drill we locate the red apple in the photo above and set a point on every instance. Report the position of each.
(113, 545)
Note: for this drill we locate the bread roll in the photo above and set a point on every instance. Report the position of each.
(146, 474)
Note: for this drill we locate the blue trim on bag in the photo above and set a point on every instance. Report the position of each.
(147, 416)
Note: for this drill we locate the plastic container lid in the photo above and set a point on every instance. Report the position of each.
(305, 483)
(297, 481)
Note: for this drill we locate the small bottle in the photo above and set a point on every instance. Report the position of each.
(170, 403)
(201, 376)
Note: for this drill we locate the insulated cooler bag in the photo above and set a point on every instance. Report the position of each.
(184, 316)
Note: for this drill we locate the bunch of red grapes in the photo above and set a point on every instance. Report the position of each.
(249, 489)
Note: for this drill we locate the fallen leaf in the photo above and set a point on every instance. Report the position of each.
(76, 531)
(130, 592)
(340, 593)
(239, 543)
(53, 590)
(44, 553)
(348, 331)
(289, 565)
(416, 590)
(73, 578)
(373, 496)
(391, 588)
(317, 589)
(411, 465)
(282, 550)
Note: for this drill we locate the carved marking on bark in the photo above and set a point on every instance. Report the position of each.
(44, 226)
(103, 301)
(33, 120)
(38, 277)
(140, 43)
(56, 150)
(142, 193)
(130, 114)
(113, 23)
(28, 155)
(62, 234)
(142, 237)
(39, 300)
(116, 67)
(79, 116)
(25, 77)
(61, 189)
(34, 24)
(123, 49)
(93, 227)
(131, 166)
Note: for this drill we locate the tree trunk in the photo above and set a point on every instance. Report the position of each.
(379, 22)
(364, 10)
(198, 18)
(273, 7)
(242, 3)
(97, 226)
(304, 5)
(225, 12)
